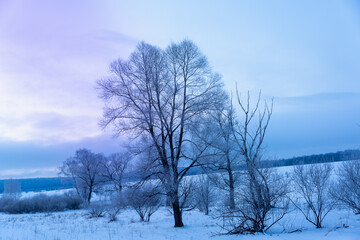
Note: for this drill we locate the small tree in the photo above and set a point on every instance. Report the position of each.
(347, 188)
(12, 189)
(313, 185)
(114, 167)
(145, 200)
(85, 170)
(204, 193)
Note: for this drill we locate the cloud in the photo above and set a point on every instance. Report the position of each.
(24, 155)
(115, 37)
(49, 128)
(28, 173)
(51, 55)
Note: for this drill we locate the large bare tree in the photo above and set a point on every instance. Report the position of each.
(162, 94)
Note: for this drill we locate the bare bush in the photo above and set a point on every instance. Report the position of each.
(258, 212)
(145, 200)
(97, 210)
(313, 185)
(40, 203)
(112, 213)
(347, 188)
(117, 204)
(72, 200)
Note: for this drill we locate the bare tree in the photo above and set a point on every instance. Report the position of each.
(222, 156)
(347, 188)
(263, 190)
(204, 193)
(313, 185)
(114, 167)
(85, 170)
(161, 94)
(12, 189)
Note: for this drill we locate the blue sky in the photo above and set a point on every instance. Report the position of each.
(305, 54)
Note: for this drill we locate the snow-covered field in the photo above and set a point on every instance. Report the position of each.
(340, 224)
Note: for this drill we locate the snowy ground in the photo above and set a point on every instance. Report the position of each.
(340, 224)
(77, 225)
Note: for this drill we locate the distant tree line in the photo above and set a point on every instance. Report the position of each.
(316, 158)
(339, 156)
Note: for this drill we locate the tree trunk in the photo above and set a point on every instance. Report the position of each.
(177, 214)
(318, 222)
(207, 210)
(231, 183)
(232, 195)
(90, 193)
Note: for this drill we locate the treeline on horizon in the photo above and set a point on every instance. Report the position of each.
(346, 155)
(57, 183)
(339, 156)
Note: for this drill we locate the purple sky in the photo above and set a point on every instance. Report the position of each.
(305, 54)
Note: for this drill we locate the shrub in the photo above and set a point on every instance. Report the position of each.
(261, 202)
(347, 188)
(112, 213)
(313, 185)
(145, 200)
(40, 203)
(97, 210)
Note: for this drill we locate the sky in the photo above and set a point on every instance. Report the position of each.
(304, 54)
